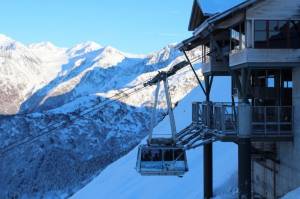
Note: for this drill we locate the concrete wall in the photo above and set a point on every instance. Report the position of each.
(288, 176)
(264, 172)
(263, 178)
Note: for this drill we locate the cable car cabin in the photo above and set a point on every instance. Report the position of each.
(161, 160)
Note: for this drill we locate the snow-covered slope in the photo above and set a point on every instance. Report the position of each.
(121, 181)
(295, 194)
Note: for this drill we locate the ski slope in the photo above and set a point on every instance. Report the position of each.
(121, 181)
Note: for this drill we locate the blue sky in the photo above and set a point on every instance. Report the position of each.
(134, 26)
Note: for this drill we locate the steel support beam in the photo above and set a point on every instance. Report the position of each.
(192, 67)
(244, 168)
(208, 148)
(208, 170)
(153, 116)
(244, 143)
(170, 110)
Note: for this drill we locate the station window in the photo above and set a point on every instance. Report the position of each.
(260, 34)
(276, 34)
(288, 84)
(294, 34)
(270, 81)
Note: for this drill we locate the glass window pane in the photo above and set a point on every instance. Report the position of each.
(278, 25)
(260, 36)
(260, 39)
(273, 34)
(146, 155)
(283, 25)
(151, 155)
(168, 155)
(273, 25)
(179, 154)
(271, 82)
(156, 155)
(278, 34)
(288, 84)
(295, 34)
(261, 25)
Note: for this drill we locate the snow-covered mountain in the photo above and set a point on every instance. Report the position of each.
(51, 88)
(21, 73)
(42, 76)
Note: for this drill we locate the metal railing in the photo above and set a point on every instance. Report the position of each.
(274, 120)
(266, 120)
(221, 116)
(225, 117)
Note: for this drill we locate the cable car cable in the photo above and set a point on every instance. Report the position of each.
(25, 140)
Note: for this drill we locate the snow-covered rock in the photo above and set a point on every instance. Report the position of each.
(84, 48)
(20, 74)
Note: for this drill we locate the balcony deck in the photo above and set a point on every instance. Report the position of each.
(269, 123)
(251, 57)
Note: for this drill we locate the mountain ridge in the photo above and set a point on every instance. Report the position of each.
(31, 67)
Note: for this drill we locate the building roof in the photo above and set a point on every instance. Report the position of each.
(197, 16)
(199, 23)
(206, 9)
(223, 15)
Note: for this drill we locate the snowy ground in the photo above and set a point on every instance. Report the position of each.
(120, 180)
(293, 194)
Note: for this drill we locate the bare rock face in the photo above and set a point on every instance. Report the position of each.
(10, 98)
